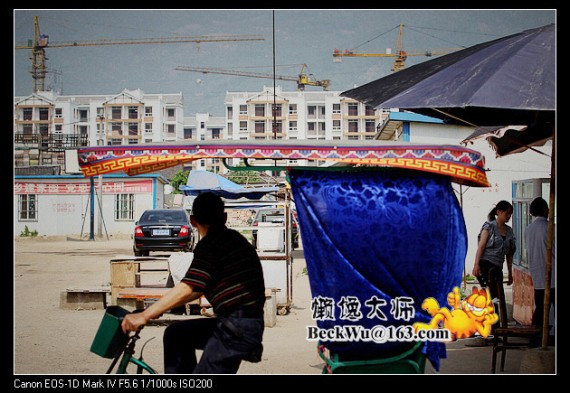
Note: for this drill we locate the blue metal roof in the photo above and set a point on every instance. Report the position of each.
(413, 117)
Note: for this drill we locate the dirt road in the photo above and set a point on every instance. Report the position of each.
(50, 340)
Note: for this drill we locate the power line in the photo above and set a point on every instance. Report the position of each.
(454, 31)
(372, 39)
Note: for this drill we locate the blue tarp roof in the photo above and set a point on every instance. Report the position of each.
(203, 181)
(413, 117)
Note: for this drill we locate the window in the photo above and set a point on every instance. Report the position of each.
(44, 129)
(243, 125)
(44, 114)
(278, 112)
(202, 125)
(216, 133)
(230, 112)
(170, 113)
(368, 110)
(27, 114)
(311, 111)
(311, 129)
(58, 113)
(170, 128)
(352, 109)
(322, 127)
(292, 109)
(147, 127)
(353, 126)
(27, 206)
(188, 132)
(336, 108)
(83, 115)
(292, 126)
(27, 129)
(59, 130)
(133, 129)
(133, 112)
(148, 111)
(259, 127)
(369, 126)
(117, 128)
(124, 207)
(259, 110)
(243, 109)
(116, 112)
(230, 130)
(322, 111)
(278, 126)
(336, 125)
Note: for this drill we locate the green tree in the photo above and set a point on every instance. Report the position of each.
(244, 177)
(179, 178)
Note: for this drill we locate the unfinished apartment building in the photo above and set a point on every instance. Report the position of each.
(45, 124)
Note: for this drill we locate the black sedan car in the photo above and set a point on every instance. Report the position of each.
(163, 230)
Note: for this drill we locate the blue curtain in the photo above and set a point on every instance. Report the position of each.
(382, 235)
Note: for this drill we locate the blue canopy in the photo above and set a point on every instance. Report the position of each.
(204, 181)
(378, 238)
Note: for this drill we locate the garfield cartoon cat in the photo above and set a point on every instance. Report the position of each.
(473, 315)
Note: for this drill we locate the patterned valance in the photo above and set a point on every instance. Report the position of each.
(464, 166)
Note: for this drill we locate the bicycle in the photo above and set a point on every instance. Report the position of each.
(110, 342)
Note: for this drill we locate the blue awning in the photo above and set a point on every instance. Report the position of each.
(413, 117)
(204, 181)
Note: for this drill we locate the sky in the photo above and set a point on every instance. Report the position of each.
(301, 37)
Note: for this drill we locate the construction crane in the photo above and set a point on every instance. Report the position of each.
(40, 42)
(399, 54)
(302, 79)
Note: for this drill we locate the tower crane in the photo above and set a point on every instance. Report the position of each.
(399, 54)
(41, 41)
(302, 79)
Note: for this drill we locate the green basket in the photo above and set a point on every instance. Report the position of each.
(110, 337)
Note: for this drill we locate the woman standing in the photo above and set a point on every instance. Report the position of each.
(496, 242)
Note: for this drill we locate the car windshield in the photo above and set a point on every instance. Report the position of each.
(159, 216)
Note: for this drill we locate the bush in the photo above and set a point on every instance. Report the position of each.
(27, 233)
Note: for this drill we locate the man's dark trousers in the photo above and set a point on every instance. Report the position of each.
(226, 341)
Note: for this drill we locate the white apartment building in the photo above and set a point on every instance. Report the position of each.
(205, 127)
(302, 115)
(307, 115)
(45, 123)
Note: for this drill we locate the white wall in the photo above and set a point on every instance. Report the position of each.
(478, 201)
(65, 214)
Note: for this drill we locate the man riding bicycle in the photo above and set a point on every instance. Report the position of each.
(227, 270)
